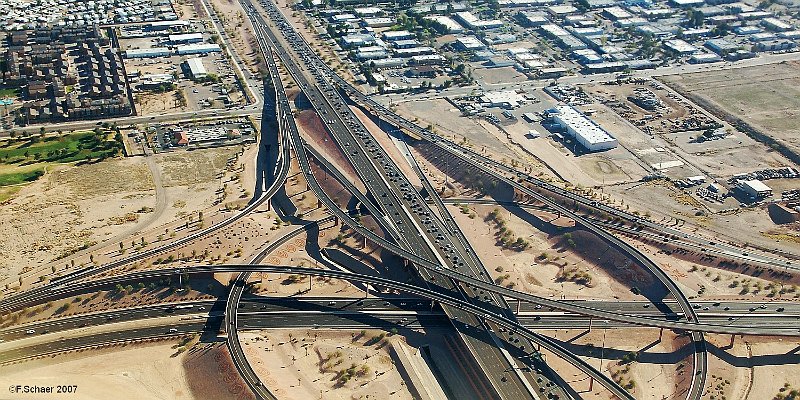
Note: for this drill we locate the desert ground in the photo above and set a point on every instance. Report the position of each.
(765, 97)
(167, 369)
(327, 364)
(73, 214)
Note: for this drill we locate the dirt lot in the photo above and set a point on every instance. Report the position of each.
(493, 76)
(311, 364)
(753, 368)
(659, 369)
(765, 97)
(549, 266)
(70, 207)
(239, 31)
(160, 370)
(139, 371)
(447, 121)
(79, 207)
(664, 200)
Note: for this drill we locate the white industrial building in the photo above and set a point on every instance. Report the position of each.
(428, 59)
(164, 25)
(378, 22)
(186, 38)
(198, 48)
(470, 21)
(502, 98)
(393, 36)
(196, 68)
(451, 25)
(367, 11)
(584, 130)
(148, 53)
(680, 46)
(755, 189)
(469, 43)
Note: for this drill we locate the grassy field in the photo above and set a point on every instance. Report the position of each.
(9, 93)
(15, 178)
(23, 160)
(65, 148)
(8, 192)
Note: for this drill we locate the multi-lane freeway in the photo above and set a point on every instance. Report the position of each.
(408, 214)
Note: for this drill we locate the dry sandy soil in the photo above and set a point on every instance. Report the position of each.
(664, 200)
(306, 364)
(68, 208)
(528, 271)
(661, 371)
(239, 31)
(80, 206)
(136, 371)
(754, 368)
(158, 103)
(766, 97)
(447, 120)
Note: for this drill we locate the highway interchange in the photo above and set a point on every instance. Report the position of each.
(450, 273)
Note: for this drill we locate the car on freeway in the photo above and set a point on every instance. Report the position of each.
(173, 330)
(30, 332)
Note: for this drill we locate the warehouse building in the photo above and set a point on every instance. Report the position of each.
(186, 38)
(680, 47)
(755, 189)
(393, 36)
(584, 130)
(198, 49)
(148, 53)
(451, 25)
(168, 25)
(196, 68)
(470, 21)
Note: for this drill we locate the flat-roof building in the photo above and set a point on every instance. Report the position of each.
(378, 22)
(414, 51)
(561, 10)
(163, 25)
(148, 53)
(686, 3)
(469, 43)
(198, 48)
(616, 13)
(533, 18)
(680, 47)
(428, 59)
(393, 36)
(755, 189)
(387, 63)
(405, 44)
(367, 11)
(196, 68)
(357, 40)
(704, 58)
(186, 38)
(451, 25)
(721, 46)
(584, 130)
(503, 99)
(775, 24)
(469, 20)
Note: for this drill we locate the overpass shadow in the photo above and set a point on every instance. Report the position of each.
(268, 143)
(788, 358)
(644, 356)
